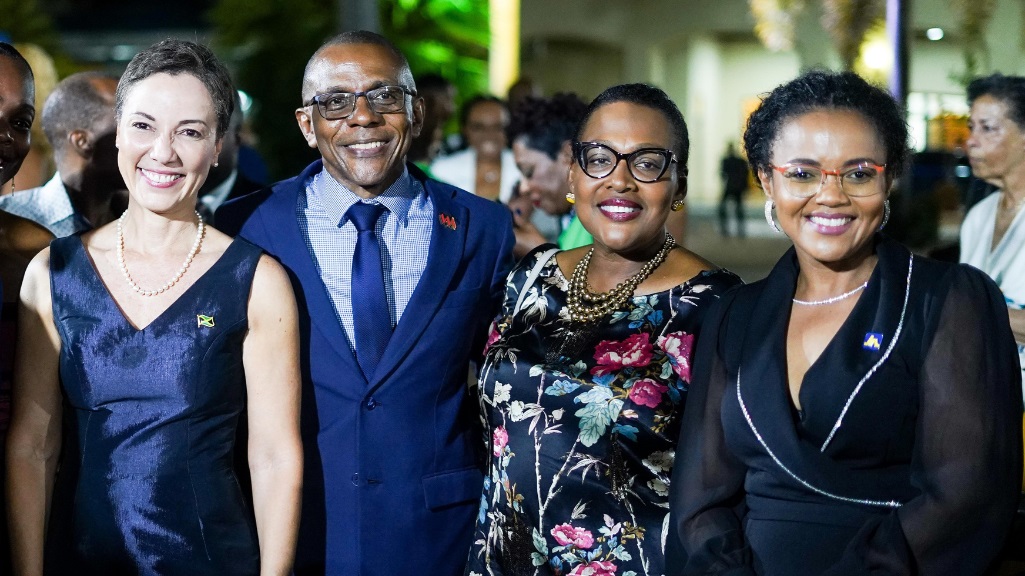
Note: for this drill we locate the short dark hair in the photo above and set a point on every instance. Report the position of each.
(352, 37)
(10, 52)
(546, 124)
(464, 112)
(1008, 89)
(74, 104)
(650, 97)
(176, 57)
(818, 90)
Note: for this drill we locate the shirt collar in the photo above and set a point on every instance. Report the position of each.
(219, 194)
(335, 199)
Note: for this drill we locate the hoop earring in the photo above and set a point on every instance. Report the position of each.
(886, 213)
(676, 206)
(768, 216)
(571, 197)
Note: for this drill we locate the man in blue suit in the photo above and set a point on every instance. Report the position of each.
(398, 277)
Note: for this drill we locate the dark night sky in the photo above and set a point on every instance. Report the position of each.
(88, 15)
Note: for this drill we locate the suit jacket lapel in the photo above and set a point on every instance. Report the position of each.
(291, 247)
(448, 238)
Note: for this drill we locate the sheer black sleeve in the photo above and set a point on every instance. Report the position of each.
(708, 481)
(967, 458)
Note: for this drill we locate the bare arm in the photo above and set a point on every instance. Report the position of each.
(34, 438)
(271, 359)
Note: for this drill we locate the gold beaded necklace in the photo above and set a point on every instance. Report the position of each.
(587, 306)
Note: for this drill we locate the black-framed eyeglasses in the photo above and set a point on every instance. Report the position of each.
(383, 100)
(645, 165)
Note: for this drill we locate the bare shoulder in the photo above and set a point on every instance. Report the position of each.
(272, 290)
(35, 287)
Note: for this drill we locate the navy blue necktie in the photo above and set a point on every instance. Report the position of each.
(370, 316)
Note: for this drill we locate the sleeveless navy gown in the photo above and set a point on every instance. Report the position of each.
(146, 482)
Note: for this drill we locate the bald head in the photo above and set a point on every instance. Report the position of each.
(323, 59)
(83, 101)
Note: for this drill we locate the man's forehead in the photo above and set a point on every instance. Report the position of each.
(361, 65)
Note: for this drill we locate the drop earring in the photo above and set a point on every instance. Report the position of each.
(768, 216)
(571, 197)
(886, 213)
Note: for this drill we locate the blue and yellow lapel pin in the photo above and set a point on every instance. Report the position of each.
(873, 341)
(204, 321)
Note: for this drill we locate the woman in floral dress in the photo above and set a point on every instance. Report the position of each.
(587, 369)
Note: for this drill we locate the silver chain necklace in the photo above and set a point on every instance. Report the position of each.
(833, 299)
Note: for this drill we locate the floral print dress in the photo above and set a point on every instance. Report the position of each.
(581, 448)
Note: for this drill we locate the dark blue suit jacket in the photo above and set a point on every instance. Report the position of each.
(392, 481)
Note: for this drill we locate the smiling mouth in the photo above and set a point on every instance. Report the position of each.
(159, 178)
(831, 221)
(615, 209)
(366, 145)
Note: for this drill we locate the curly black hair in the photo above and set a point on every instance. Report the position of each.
(651, 97)
(1008, 89)
(546, 124)
(817, 90)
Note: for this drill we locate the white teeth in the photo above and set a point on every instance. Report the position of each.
(834, 221)
(366, 145)
(159, 178)
(620, 209)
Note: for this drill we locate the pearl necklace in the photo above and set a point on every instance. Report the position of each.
(586, 306)
(833, 299)
(200, 231)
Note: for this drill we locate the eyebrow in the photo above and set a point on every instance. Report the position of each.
(852, 161)
(375, 85)
(183, 122)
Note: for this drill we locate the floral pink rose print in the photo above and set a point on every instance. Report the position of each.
(566, 534)
(635, 351)
(493, 336)
(500, 439)
(647, 392)
(680, 348)
(596, 568)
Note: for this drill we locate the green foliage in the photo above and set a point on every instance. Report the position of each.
(268, 43)
(446, 37)
(25, 21)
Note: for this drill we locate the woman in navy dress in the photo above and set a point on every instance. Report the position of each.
(856, 412)
(585, 381)
(149, 337)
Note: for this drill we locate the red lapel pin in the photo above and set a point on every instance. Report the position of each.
(447, 221)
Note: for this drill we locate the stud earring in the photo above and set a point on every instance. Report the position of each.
(216, 164)
(571, 197)
(886, 213)
(676, 206)
(768, 216)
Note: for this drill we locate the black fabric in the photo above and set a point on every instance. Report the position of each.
(936, 429)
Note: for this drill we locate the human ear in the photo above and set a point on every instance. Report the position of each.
(306, 127)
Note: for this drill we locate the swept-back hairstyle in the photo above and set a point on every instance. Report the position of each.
(176, 57)
(818, 90)
(651, 97)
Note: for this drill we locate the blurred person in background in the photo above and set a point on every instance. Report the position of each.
(486, 168)
(87, 190)
(20, 239)
(225, 181)
(38, 166)
(733, 172)
(439, 105)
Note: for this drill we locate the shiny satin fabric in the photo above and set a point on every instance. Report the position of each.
(146, 482)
